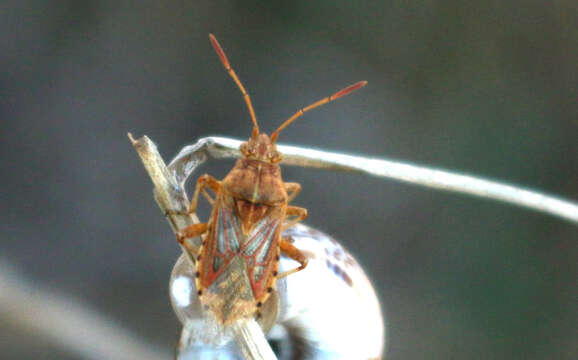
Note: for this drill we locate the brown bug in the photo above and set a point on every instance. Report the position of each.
(237, 264)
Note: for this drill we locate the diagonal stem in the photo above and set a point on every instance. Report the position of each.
(170, 195)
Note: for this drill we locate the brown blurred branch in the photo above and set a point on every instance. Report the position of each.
(68, 323)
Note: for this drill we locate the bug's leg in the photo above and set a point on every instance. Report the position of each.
(205, 181)
(207, 196)
(288, 249)
(191, 231)
(292, 190)
(299, 214)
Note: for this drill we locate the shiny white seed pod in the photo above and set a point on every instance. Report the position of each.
(327, 311)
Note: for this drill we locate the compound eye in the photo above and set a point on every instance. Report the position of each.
(274, 156)
(243, 148)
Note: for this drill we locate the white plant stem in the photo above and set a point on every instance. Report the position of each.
(219, 147)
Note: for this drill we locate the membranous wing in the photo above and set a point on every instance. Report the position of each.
(258, 250)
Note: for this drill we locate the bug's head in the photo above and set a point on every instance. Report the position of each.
(260, 147)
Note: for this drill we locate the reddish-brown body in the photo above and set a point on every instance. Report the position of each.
(237, 265)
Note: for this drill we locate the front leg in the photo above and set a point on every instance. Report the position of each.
(288, 249)
(195, 230)
(292, 190)
(299, 214)
(203, 182)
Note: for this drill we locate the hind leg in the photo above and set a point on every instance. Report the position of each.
(288, 249)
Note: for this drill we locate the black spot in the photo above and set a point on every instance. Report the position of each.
(269, 289)
(200, 292)
(339, 272)
(199, 258)
(197, 274)
(347, 279)
(277, 257)
(259, 304)
(275, 273)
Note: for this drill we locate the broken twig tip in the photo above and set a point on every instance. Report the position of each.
(131, 138)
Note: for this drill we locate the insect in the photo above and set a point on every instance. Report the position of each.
(238, 262)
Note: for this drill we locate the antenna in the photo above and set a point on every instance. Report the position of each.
(225, 62)
(298, 114)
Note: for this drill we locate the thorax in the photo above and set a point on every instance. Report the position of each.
(255, 190)
(256, 182)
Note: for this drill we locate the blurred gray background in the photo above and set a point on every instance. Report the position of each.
(487, 88)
